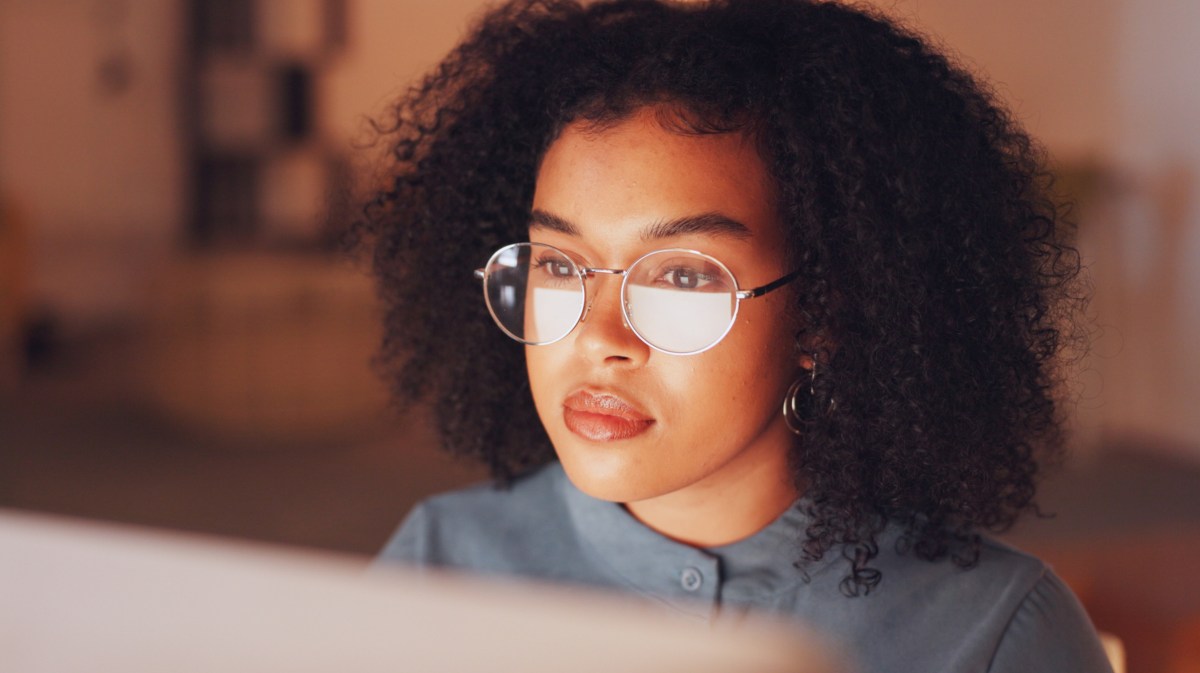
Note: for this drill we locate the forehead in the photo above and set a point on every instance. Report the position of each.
(616, 182)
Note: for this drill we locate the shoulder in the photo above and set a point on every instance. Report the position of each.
(491, 504)
(1007, 613)
(993, 587)
(1047, 630)
(1023, 615)
(485, 527)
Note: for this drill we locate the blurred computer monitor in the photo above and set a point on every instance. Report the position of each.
(100, 598)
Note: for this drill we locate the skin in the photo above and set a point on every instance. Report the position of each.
(712, 468)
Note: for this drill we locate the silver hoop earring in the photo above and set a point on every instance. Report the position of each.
(798, 402)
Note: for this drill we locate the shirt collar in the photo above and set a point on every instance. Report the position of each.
(694, 581)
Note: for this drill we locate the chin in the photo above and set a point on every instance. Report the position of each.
(603, 478)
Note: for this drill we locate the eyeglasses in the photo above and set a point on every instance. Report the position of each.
(679, 302)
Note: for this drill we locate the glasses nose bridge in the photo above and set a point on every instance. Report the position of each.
(590, 272)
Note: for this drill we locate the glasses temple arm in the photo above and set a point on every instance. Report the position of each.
(769, 287)
(479, 274)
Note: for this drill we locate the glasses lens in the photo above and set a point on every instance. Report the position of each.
(534, 292)
(680, 302)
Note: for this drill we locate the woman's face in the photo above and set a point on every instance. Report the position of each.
(631, 424)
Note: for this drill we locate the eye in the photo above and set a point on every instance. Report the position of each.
(554, 266)
(688, 277)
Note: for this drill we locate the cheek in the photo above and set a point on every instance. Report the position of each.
(551, 370)
(539, 365)
(718, 390)
(761, 361)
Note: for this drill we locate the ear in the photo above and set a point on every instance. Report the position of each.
(809, 347)
(805, 360)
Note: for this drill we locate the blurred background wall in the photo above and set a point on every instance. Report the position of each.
(179, 348)
(134, 132)
(1110, 88)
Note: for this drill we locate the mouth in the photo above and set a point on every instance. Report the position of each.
(603, 417)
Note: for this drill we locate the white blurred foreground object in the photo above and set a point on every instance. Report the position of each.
(1115, 649)
(94, 598)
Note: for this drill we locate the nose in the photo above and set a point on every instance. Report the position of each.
(603, 336)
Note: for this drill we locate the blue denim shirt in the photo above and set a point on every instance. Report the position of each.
(1009, 613)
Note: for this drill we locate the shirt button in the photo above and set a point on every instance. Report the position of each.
(691, 579)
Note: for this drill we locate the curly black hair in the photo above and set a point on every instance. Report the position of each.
(935, 264)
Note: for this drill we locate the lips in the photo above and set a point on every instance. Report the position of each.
(603, 417)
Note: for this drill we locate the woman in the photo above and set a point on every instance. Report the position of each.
(778, 291)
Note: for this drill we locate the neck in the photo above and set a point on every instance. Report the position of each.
(751, 495)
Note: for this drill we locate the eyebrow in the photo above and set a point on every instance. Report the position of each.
(543, 220)
(711, 223)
